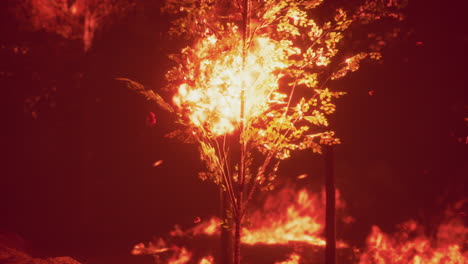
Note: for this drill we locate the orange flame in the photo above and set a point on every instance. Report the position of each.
(294, 258)
(402, 248)
(207, 260)
(182, 257)
(288, 216)
(211, 93)
(298, 216)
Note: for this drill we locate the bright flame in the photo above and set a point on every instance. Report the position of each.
(298, 216)
(213, 227)
(207, 260)
(294, 258)
(182, 257)
(211, 94)
(403, 247)
(288, 216)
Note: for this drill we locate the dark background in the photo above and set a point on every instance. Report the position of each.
(78, 178)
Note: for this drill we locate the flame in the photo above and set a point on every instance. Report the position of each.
(207, 260)
(298, 216)
(294, 258)
(289, 216)
(211, 93)
(209, 228)
(404, 248)
(182, 257)
(212, 226)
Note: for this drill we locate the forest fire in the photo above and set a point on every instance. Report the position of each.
(243, 72)
(291, 216)
(288, 216)
(255, 87)
(411, 244)
(382, 248)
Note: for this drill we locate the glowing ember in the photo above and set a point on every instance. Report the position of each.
(73, 10)
(294, 258)
(157, 163)
(405, 247)
(211, 95)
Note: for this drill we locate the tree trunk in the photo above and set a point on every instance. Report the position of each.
(237, 241)
(330, 248)
(226, 232)
(241, 179)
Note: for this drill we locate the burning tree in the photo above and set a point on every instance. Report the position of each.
(254, 85)
(71, 19)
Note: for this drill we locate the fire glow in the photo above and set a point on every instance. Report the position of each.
(211, 94)
(288, 216)
(291, 216)
(411, 245)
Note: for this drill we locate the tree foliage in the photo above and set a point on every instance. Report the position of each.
(295, 59)
(254, 84)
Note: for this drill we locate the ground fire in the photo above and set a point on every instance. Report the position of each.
(293, 220)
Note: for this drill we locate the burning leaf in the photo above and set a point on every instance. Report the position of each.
(302, 176)
(157, 163)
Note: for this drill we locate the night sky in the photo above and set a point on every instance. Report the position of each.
(78, 179)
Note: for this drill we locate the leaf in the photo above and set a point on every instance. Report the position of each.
(311, 119)
(149, 94)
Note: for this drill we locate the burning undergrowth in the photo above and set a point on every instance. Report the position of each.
(413, 243)
(288, 229)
